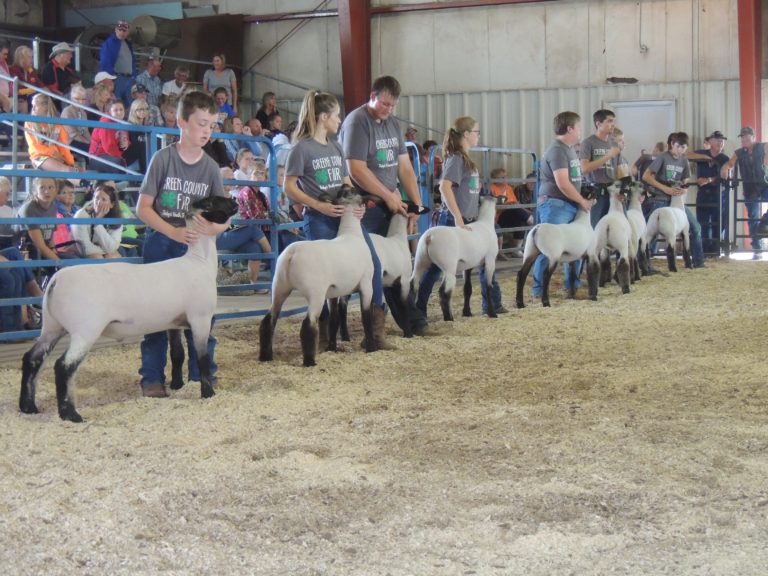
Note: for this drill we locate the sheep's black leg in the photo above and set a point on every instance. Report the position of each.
(177, 359)
(30, 367)
(266, 335)
(572, 287)
(522, 274)
(593, 272)
(687, 257)
(400, 299)
(334, 317)
(63, 373)
(605, 268)
(309, 341)
(368, 340)
(545, 284)
(622, 274)
(671, 264)
(343, 326)
(445, 302)
(204, 362)
(466, 311)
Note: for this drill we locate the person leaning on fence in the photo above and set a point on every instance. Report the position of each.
(751, 162)
(100, 240)
(46, 141)
(668, 176)
(378, 164)
(116, 57)
(177, 175)
(711, 202)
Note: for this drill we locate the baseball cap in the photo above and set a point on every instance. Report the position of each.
(103, 76)
(123, 25)
(138, 88)
(61, 47)
(411, 130)
(747, 131)
(716, 135)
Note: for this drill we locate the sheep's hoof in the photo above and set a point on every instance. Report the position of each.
(206, 391)
(265, 356)
(546, 304)
(625, 289)
(29, 409)
(309, 362)
(68, 412)
(177, 384)
(466, 313)
(594, 298)
(520, 305)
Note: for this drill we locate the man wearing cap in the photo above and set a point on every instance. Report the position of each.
(57, 75)
(101, 79)
(150, 79)
(155, 118)
(711, 204)
(117, 58)
(752, 165)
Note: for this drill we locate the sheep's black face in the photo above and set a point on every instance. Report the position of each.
(588, 191)
(216, 209)
(344, 195)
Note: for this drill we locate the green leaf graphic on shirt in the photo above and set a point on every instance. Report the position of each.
(381, 156)
(168, 199)
(670, 173)
(575, 173)
(473, 183)
(321, 177)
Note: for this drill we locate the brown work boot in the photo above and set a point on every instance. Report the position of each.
(379, 319)
(155, 390)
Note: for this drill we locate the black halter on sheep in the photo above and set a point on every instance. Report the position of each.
(132, 300)
(321, 270)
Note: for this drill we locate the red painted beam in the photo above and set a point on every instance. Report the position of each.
(355, 39)
(750, 59)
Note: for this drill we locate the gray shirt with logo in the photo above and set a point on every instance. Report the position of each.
(465, 184)
(378, 144)
(318, 167)
(593, 148)
(175, 185)
(557, 157)
(669, 170)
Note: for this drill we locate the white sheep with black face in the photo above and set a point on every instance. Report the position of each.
(613, 233)
(321, 270)
(637, 222)
(121, 300)
(456, 250)
(671, 222)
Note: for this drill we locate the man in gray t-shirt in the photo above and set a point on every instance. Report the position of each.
(599, 155)
(374, 149)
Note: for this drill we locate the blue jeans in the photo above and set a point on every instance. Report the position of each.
(318, 226)
(13, 282)
(712, 214)
(555, 211)
(754, 217)
(433, 273)
(694, 231)
(600, 209)
(244, 240)
(122, 89)
(154, 348)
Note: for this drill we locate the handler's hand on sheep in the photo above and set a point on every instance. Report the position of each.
(395, 204)
(184, 235)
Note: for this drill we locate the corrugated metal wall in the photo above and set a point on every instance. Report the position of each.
(523, 118)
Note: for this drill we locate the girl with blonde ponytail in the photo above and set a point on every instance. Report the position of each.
(460, 192)
(315, 165)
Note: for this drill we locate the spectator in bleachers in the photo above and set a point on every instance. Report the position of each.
(150, 79)
(117, 58)
(268, 107)
(23, 70)
(39, 237)
(136, 153)
(65, 208)
(246, 168)
(221, 76)
(109, 144)
(524, 191)
(285, 212)
(15, 283)
(233, 125)
(5, 87)
(255, 128)
(57, 75)
(50, 155)
(172, 89)
(100, 240)
(225, 110)
(243, 239)
(6, 211)
(101, 94)
(154, 115)
(79, 136)
(511, 217)
(168, 111)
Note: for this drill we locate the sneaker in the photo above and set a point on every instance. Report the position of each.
(155, 390)
(700, 265)
(502, 310)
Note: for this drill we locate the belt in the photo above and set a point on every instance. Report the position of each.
(125, 75)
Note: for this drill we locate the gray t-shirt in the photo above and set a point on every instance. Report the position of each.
(557, 157)
(669, 170)
(593, 148)
(124, 62)
(319, 167)
(465, 184)
(32, 209)
(175, 185)
(224, 81)
(378, 144)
